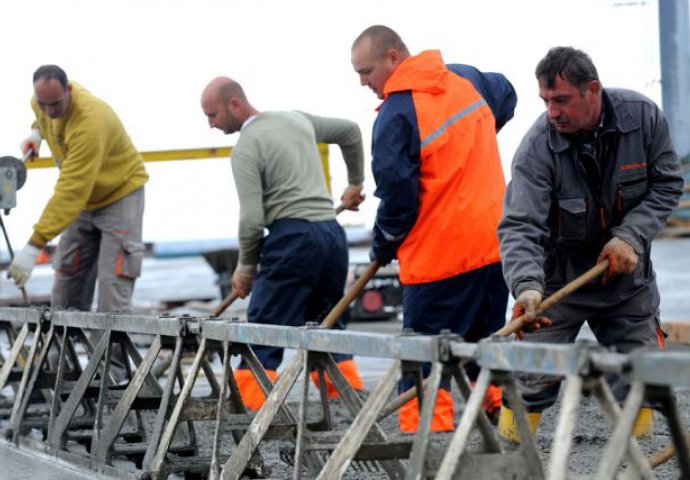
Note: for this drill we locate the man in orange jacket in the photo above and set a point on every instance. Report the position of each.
(440, 183)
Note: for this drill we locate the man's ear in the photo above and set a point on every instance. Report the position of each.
(595, 87)
(232, 104)
(394, 56)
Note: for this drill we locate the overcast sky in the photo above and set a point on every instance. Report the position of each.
(151, 59)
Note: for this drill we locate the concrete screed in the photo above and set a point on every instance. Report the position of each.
(591, 434)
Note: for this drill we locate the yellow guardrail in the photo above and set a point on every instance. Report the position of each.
(189, 154)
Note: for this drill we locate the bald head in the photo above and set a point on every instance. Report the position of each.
(223, 88)
(225, 104)
(381, 39)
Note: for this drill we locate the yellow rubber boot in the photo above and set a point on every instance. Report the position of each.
(644, 423)
(507, 426)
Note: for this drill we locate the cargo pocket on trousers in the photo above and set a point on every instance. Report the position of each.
(67, 262)
(129, 260)
(572, 219)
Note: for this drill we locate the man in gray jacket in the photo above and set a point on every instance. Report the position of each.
(595, 178)
(297, 272)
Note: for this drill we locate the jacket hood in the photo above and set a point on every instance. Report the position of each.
(421, 73)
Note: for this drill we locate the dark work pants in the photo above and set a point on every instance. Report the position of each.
(623, 327)
(472, 305)
(302, 274)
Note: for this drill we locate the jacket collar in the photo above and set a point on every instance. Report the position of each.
(617, 117)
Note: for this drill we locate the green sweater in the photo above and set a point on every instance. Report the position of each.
(278, 172)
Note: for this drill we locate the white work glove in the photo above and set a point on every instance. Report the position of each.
(32, 142)
(22, 264)
(621, 256)
(526, 305)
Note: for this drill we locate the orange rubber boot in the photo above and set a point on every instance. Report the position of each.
(350, 372)
(443, 414)
(250, 391)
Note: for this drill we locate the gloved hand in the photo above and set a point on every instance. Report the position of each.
(621, 256)
(351, 198)
(22, 264)
(32, 142)
(242, 282)
(525, 306)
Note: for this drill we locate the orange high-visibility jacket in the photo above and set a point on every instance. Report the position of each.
(438, 172)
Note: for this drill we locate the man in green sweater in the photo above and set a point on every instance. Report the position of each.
(298, 272)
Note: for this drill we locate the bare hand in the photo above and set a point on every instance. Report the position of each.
(351, 198)
(242, 283)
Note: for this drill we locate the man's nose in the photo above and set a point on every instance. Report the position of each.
(553, 111)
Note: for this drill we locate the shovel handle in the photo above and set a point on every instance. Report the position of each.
(350, 295)
(28, 155)
(556, 297)
(227, 301)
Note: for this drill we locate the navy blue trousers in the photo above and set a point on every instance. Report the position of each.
(472, 305)
(303, 269)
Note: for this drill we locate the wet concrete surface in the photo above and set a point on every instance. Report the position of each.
(21, 463)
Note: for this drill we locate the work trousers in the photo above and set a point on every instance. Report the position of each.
(631, 324)
(302, 274)
(102, 246)
(472, 305)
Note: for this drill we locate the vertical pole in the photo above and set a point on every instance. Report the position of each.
(674, 43)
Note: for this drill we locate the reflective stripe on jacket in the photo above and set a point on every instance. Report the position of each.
(438, 172)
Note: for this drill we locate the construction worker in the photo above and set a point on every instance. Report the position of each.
(98, 204)
(594, 179)
(440, 183)
(297, 273)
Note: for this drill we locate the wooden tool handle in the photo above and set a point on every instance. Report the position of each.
(350, 295)
(227, 301)
(557, 296)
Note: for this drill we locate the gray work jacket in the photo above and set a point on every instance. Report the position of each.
(562, 206)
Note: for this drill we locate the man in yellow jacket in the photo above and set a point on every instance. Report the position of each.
(98, 203)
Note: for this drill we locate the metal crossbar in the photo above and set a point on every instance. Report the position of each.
(86, 405)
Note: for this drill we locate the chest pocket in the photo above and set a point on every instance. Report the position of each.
(629, 195)
(572, 220)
